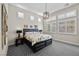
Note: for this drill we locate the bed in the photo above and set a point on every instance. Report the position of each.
(35, 40)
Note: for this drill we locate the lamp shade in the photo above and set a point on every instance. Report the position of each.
(19, 31)
(40, 30)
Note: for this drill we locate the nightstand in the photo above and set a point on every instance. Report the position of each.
(19, 41)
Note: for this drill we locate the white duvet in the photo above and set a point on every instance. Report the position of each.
(37, 37)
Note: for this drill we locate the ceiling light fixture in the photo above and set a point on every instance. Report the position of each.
(46, 13)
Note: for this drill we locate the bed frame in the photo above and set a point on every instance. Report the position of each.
(38, 46)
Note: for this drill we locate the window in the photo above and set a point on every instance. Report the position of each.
(39, 20)
(68, 27)
(53, 27)
(65, 23)
(32, 17)
(20, 15)
(61, 16)
(45, 26)
(48, 27)
(62, 27)
(71, 13)
(67, 15)
(71, 26)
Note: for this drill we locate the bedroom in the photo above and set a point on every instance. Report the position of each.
(26, 23)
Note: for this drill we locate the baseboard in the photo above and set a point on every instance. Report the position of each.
(67, 42)
(11, 43)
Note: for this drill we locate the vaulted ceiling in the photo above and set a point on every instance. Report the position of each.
(39, 8)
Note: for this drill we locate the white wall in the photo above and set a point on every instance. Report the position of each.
(14, 21)
(0, 29)
(5, 48)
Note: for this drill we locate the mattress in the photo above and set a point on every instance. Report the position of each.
(37, 37)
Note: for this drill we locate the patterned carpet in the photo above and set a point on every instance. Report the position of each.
(55, 49)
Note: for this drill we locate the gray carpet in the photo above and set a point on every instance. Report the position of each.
(56, 49)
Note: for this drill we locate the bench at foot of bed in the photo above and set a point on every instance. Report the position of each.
(38, 46)
(41, 45)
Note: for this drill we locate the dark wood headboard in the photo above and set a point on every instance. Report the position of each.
(31, 30)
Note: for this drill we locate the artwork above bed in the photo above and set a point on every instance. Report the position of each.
(31, 26)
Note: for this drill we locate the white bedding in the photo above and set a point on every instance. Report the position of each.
(37, 37)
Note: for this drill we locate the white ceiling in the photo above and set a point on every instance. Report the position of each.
(39, 8)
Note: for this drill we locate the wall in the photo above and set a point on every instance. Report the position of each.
(14, 22)
(0, 29)
(3, 51)
(67, 37)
